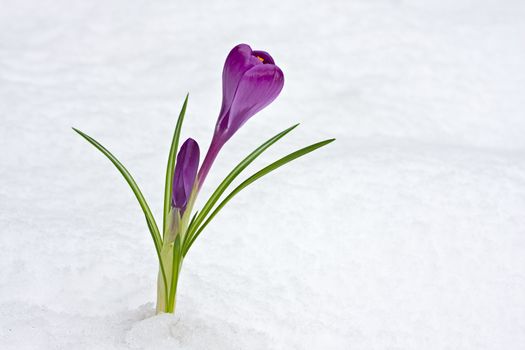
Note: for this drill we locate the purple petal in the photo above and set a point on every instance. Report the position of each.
(185, 173)
(264, 56)
(257, 89)
(239, 60)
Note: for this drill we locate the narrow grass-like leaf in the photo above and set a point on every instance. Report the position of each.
(190, 226)
(229, 178)
(171, 164)
(150, 220)
(162, 271)
(177, 257)
(252, 179)
(134, 187)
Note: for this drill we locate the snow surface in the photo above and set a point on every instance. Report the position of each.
(407, 233)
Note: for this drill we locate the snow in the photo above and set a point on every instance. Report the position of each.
(408, 232)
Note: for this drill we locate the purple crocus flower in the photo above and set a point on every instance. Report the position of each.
(185, 173)
(250, 82)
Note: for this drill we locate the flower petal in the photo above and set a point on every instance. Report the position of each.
(185, 173)
(265, 56)
(257, 89)
(239, 60)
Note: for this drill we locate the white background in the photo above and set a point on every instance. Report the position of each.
(408, 232)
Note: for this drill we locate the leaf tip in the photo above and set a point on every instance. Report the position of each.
(291, 128)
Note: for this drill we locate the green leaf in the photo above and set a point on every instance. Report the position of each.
(163, 272)
(134, 187)
(171, 164)
(229, 179)
(252, 179)
(150, 220)
(190, 227)
(177, 259)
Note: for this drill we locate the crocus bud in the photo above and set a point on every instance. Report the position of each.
(185, 173)
(250, 82)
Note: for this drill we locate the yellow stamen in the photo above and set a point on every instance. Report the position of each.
(260, 58)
